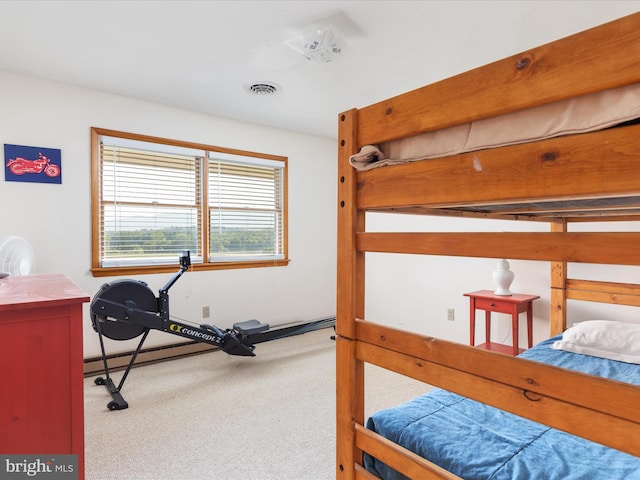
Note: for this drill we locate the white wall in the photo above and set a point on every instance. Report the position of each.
(409, 292)
(414, 292)
(55, 219)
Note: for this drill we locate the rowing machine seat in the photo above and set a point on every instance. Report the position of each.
(249, 327)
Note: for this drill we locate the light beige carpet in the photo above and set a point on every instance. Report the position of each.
(213, 416)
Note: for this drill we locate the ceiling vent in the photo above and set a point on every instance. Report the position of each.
(262, 88)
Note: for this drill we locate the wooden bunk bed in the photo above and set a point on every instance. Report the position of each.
(604, 171)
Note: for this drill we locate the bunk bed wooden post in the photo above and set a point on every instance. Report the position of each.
(558, 295)
(350, 304)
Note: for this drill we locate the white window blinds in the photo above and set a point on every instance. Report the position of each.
(150, 203)
(156, 200)
(245, 209)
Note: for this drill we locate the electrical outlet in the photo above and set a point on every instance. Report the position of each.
(205, 312)
(451, 314)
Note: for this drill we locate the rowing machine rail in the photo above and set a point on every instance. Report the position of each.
(126, 309)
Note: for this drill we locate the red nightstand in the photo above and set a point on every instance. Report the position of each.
(510, 304)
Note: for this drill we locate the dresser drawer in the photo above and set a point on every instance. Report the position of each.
(494, 305)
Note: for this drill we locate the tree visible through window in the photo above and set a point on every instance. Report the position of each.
(155, 198)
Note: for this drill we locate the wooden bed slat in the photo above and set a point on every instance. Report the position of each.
(603, 292)
(538, 76)
(362, 474)
(584, 247)
(399, 458)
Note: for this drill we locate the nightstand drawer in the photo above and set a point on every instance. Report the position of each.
(494, 305)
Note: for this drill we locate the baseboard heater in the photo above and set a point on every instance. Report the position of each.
(119, 361)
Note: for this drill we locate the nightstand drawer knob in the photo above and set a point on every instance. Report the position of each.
(492, 304)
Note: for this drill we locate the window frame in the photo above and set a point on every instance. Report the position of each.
(98, 270)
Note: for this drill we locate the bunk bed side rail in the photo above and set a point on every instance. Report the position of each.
(599, 164)
(399, 458)
(621, 248)
(603, 292)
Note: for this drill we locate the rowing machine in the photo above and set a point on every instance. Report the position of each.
(126, 309)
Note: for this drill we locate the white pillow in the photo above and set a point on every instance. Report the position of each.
(603, 338)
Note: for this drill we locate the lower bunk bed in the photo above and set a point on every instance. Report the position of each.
(475, 441)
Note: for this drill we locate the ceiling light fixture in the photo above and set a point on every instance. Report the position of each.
(262, 88)
(320, 46)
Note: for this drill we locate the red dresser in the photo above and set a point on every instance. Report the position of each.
(41, 366)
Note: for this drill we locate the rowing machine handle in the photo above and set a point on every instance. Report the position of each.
(185, 260)
(185, 263)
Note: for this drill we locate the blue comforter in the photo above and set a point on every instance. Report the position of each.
(476, 441)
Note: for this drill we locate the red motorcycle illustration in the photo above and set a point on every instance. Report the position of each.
(20, 166)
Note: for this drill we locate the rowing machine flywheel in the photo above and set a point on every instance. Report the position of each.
(130, 293)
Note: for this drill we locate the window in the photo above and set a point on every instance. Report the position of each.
(154, 198)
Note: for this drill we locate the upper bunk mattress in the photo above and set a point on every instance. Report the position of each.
(577, 115)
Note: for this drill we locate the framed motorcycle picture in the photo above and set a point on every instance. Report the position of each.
(32, 164)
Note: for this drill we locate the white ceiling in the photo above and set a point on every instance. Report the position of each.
(200, 55)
